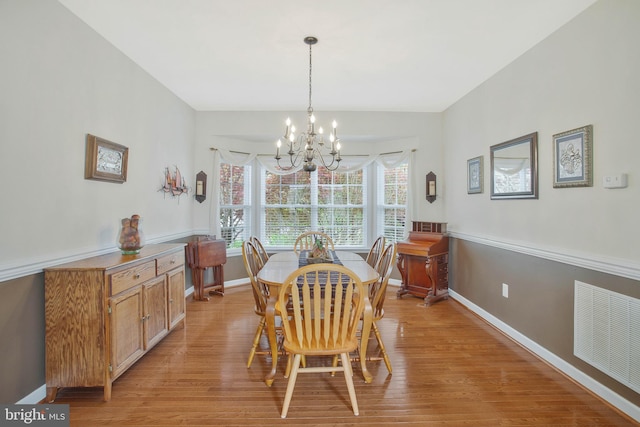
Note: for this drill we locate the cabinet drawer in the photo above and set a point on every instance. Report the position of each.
(130, 277)
(169, 262)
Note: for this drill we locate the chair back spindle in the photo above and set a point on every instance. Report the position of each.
(306, 240)
(375, 251)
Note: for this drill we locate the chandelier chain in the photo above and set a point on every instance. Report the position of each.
(310, 109)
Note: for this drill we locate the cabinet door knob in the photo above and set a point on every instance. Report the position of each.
(136, 276)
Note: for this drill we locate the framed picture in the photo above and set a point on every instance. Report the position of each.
(572, 158)
(475, 175)
(105, 160)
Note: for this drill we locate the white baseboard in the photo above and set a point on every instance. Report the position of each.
(34, 397)
(580, 377)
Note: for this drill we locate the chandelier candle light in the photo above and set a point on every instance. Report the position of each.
(306, 148)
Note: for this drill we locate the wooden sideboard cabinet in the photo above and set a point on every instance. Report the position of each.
(103, 313)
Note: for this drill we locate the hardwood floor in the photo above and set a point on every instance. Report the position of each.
(449, 369)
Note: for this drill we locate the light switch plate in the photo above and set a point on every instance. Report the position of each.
(615, 181)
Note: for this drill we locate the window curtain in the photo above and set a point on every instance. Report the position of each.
(347, 164)
(510, 166)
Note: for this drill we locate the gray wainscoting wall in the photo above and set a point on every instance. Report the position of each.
(540, 300)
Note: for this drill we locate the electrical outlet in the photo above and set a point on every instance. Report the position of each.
(505, 290)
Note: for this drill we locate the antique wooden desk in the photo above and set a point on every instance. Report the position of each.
(275, 272)
(423, 262)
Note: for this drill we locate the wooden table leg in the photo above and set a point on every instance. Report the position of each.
(196, 288)
(270, 316)
(198, 285)
(367, 321)
(218, 280)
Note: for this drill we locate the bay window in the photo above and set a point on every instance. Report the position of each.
(368, 198)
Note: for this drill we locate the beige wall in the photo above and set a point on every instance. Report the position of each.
(59, 81)
(585, 73)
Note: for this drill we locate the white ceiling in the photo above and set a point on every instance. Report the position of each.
(372, 55)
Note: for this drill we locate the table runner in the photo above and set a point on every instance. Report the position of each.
(302, 259)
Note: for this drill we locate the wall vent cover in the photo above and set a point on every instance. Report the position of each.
(607, 332)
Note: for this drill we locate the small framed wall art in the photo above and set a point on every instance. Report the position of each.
(105, 160)
(572, 158)
(475, 175)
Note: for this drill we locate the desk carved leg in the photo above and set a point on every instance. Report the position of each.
(435, 293)
(403, 274)
(270, 316)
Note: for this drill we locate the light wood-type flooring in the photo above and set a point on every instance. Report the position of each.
(450, 368)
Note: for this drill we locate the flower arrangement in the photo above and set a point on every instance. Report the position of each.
(318, 253)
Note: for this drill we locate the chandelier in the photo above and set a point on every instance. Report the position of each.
(308, 145)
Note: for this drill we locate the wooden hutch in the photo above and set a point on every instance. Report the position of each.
(423, 262)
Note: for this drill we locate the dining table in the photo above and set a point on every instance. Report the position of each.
(274, 273)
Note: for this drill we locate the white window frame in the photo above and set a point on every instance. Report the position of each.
(246, 206)
(314, 209)
(381, 206)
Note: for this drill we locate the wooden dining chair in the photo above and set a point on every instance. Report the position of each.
(375, 251)
(377, 293)
(306, 240)
(260, 248)
(253, 263)
(324, 304)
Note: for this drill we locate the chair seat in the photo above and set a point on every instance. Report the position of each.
(320, 349)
